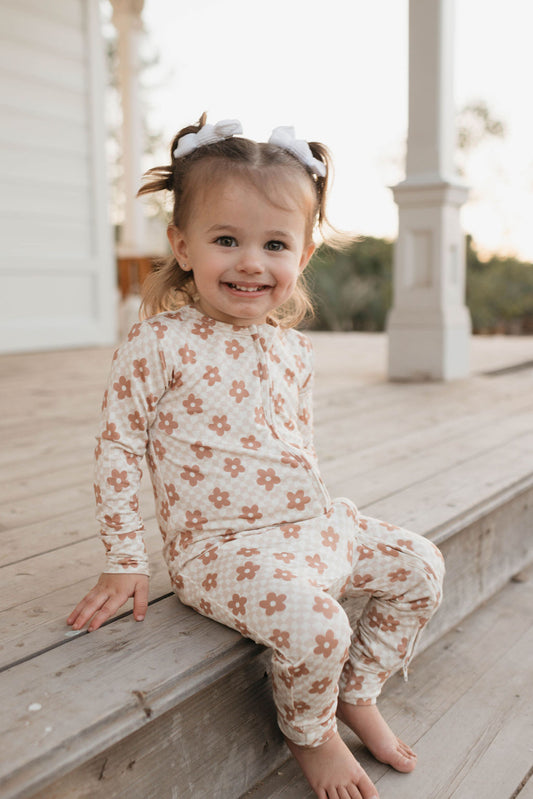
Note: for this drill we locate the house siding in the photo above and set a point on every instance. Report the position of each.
(56, 260)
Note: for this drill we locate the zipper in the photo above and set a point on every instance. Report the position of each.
(270, 418)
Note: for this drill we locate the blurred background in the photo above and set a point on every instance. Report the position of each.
(337, 72)
(341, 78)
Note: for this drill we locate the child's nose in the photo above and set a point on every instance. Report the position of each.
(251, 261)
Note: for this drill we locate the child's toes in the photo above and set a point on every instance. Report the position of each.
(403, 758)
(406, 750)
(366, 788)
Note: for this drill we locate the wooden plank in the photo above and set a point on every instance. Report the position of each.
(22, 543)
(32, 457)
(461, 651)
(47, 480)
(60, 530)
(481, 557)
(410, 460)
(27, 511)
(368, 431)
(502, 698)
(47, 407)
(363, 356)
(397, 471)
(386, 414)
(167, 759)
(166, 662)
(40, 624)
(45, 573)
(508, 753)
(459, 655)
(421, 506)
(527, 790)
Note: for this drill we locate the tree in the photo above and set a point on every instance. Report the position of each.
(474, 124)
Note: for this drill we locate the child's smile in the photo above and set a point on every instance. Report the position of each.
(246, 253)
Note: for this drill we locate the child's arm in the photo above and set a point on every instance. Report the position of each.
(138, 380)
(108, 595)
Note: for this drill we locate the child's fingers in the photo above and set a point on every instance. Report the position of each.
(140, 600)
(81, 609)
(107, 596)
(72, 618)
(106, 611)
(87, 608)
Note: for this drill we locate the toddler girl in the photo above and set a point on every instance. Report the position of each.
(214, 387)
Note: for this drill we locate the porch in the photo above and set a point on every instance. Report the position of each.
(132, 710)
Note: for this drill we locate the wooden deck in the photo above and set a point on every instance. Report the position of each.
(467, 710)
(442, 459)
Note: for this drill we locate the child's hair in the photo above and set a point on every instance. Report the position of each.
(265, 166)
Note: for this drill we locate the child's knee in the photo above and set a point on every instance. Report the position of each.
(317, 631)
(326, 635)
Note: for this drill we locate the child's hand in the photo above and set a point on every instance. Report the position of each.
(108, 595)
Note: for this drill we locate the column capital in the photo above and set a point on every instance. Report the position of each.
(422, 194)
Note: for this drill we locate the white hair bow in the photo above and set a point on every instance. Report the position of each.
(284, 137)
(209, 134)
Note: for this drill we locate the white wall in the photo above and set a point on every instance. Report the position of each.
(57, 285)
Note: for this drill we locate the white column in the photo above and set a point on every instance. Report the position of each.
(429, 325)
(128, 22)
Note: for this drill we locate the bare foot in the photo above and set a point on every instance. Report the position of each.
(332, 771)
(370, 726)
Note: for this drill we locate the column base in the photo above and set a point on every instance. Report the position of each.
(429, 351)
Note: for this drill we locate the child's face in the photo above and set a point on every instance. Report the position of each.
(245, 253)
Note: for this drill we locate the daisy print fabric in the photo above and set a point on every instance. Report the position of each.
(251, 536)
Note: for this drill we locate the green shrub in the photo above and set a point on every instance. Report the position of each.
(352, 289)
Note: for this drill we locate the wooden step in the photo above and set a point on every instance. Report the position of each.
(139, 709)
(178, 706)
(467, 710)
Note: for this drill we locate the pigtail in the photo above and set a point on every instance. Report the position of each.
(168, 287)
(335, 238)
(163, 177)
(322, 184)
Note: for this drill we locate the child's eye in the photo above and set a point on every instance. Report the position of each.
(275, 246)
(226, 241)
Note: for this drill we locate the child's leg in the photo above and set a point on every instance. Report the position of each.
(309, 635)
(402, 574)
(306, 629)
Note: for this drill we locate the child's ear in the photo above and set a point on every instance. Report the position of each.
(178, 245)
(306, 256)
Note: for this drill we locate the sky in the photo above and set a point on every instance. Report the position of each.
(337, 71)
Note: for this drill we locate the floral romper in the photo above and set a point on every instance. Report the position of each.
(251, 536)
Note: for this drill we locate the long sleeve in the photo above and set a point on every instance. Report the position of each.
(136, 384)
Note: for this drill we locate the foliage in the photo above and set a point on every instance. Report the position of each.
(352, 289)
(499, 293)
(475, 124)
